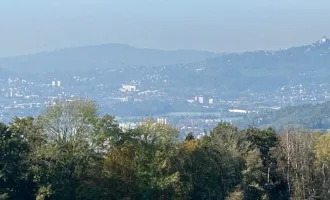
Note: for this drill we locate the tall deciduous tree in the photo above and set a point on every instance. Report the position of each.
(15, 180)
(323, 164)
(261, 148)
(64, 162)
(296, 156)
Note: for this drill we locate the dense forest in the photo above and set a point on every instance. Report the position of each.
(72, 152)
(309, 116)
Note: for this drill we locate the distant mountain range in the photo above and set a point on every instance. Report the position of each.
(267, 70)
(222, 74)
(101, 56)
(308, 57)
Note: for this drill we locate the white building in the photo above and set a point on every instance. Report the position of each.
(211, 101)
(162, 121)
(128, 125)
(201, 100)
(238, 111)
(124, 99)
(128, 88)
(11, 92)
(56, 83)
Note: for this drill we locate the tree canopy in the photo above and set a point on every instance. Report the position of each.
(72, 152)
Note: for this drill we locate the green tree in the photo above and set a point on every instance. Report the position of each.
(15, 180)
(153, 161)
(323, 164)
(31, 131)
(296, 159)
(261, 172)
(64, 162)
(139, 164)
(208, 167)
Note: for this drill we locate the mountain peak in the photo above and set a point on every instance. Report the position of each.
(323, 43)
(323, 40)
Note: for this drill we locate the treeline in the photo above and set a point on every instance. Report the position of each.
(309, 116)
(70, 152)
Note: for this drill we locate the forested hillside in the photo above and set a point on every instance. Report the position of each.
(305, 116)
(71, 152)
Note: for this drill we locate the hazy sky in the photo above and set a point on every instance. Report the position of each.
(214, 25)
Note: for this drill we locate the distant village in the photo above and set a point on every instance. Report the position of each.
(22, 97)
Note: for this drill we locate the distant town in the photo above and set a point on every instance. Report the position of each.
(189, 112)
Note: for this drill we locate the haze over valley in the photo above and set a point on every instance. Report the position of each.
(133, 83)
(165, 100)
